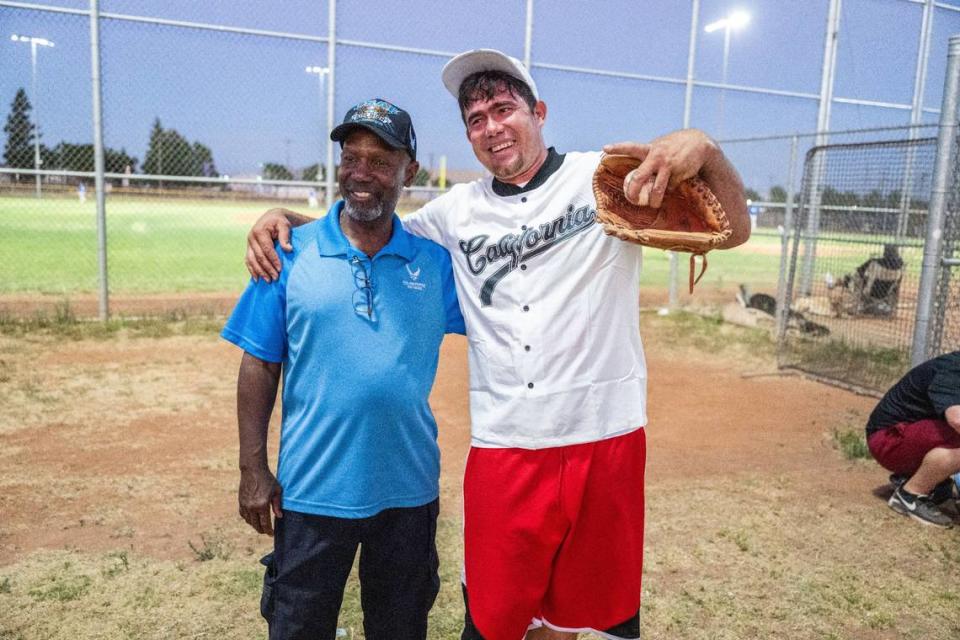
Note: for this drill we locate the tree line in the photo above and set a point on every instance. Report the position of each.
(168, 152)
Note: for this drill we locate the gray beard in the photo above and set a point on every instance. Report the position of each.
(374, 211)
(363, 214)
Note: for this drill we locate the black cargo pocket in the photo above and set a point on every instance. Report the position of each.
(268, 597)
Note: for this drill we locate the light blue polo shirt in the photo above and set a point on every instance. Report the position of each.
(357, 435)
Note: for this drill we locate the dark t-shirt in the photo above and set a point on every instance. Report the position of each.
(925, 392)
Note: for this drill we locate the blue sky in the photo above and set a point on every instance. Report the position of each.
(250, 100)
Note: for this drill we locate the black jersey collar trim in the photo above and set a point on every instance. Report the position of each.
(550, 166)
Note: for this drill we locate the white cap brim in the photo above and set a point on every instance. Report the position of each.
(469, 62)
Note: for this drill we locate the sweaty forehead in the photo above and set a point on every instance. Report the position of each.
(493, 91)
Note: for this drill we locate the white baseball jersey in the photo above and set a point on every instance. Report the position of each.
(551, 305)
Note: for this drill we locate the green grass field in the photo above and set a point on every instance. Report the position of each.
(50, 246)
(177, 246)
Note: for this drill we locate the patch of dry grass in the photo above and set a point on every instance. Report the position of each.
(760, 557)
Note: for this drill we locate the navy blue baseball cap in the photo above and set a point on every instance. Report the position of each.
(388, 121)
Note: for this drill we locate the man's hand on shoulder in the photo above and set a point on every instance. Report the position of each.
(262, 260)
(259, 493)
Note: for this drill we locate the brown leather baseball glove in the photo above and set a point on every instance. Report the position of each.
(690, 219)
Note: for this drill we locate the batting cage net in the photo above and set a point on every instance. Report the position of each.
(858, 242)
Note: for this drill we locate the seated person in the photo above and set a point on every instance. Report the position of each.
(891, 260)
(914, 432)
(873, 287)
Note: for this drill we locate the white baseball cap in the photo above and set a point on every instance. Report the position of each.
(468, 62)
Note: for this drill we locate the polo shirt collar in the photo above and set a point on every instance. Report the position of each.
(547, 169)
(331, 241)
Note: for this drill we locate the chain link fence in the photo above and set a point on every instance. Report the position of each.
(772, 211)
(205, 125)
(856, 260)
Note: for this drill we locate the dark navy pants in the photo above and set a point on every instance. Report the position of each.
(312, 557)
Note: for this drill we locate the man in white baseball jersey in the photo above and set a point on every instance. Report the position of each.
(553, 488)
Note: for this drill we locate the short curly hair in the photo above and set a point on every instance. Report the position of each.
(483, 85)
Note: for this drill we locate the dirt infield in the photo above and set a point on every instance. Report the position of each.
(123, 450)
(131, 441)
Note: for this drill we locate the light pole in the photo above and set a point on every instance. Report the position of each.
(734, 20)
(321, 73)
(34, 43)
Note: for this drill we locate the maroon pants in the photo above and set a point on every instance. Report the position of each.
(902, 447)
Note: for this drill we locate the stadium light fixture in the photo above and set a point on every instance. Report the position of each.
(734, 20)
(34, 43)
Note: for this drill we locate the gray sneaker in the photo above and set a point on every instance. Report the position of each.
(920, 508)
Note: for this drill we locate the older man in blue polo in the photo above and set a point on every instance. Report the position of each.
(354, 326)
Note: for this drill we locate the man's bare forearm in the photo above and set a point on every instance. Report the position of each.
(726, 184)
(257, 386)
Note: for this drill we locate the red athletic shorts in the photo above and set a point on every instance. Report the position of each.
(902, 447)
(555, 536)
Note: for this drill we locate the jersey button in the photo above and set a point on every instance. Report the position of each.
(526, 307)
(523, 267)
(529, 385)
(523, 199)
(526, 347)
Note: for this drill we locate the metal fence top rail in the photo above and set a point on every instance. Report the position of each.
(839, 132)
(903, 144)
(214, 180)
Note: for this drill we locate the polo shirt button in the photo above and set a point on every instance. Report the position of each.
(529, 385)
(523, 228)
(526, 348)
(523, 199)
(526, 307)
(523, 267)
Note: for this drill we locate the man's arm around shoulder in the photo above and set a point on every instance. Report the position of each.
(274, 225)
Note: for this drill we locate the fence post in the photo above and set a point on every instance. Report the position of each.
(672, 295)
(99, 182)
(827, 77)
(785, 234)
(916, 117)
(942, 174)
(331, 95)
(528, 36)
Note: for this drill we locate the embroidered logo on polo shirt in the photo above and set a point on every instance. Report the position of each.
(413, 282)
(518, 248)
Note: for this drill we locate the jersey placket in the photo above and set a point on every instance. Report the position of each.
(531, 314)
